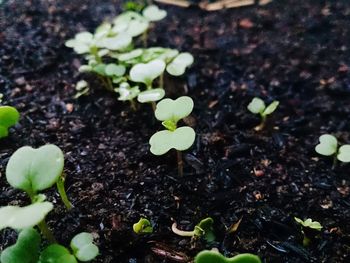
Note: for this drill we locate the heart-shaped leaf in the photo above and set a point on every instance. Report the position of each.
(81, 43)
(23, 217)
(118, 42)
(26, 249)
(344, 154)
(143, 226)
(309, 223)
(328, 145)
(115, 70)
(178, 66)
(9, 116)
(256, 106)
(153, 13)
(271, 108)
(174, 110)
(83, 247)
(131, 23)
(207, 256)
(33, 170)
(130, 55)
(147, 72)
(151, 95)
(56, 254)
(126, 92)
(181, 139)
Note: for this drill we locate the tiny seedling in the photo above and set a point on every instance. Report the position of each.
(34, 170)
(82, 88)
(170, 112)
(143, 227)
(9, 116)
(257, 106)
(208, 256)
(128, 93)
(329, 146)
(204, 229)
(308, 229)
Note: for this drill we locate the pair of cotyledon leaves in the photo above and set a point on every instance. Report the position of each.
(258, 106)
(9, 116)
(215, 257)
(309, 223)
(182, 138)
(329, 146)
(27, 249)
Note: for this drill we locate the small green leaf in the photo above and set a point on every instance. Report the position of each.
(115, 70)
(131, 23)
(309, 223)
(207, 256)
(174, 110)
(83, 247)
(130, 55)
(181, 139)
(153, 13)
(205, 229)
(344, 154)
(256, 106)
(56, 254)
(126, 92)
(271, 108)
(33, 170)
(178, 66)
(118, 42)
(9, 116)
(328, 145)
(26, 249)
(23, 217)
(151, 95)
(143, 226)
(100, 69)
(146, 73)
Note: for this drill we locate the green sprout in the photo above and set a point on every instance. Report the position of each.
(204, 229)
(257, 106)
(35, 170)
(128, 93)
(308, 229)
(82, 88)
(208, 256)
(329, 146)
(9, 116)
(27, 249)
(170, 112)
(143, 227)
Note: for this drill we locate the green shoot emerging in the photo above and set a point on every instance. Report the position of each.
(257, 106)
(204, 229)
(9, 116)
(308, 227)
(82, 88)
(329, 146)
(170, 112)
(143, 227)
(208, 256)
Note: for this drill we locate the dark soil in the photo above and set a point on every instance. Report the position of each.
(294, 51)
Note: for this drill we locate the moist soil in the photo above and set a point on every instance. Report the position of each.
(293, 51)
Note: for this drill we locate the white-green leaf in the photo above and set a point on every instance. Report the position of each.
(130, 55)
(256, 106)
(126, 92)
(33, 170)
(153, 13)
(118, 42)
(178, 66)
(81, 84)
(131, 23)
(344, 154)
(328, 145)
(115, 70)
(181, 139)
(151, 95)
(147, 72)
(83, 247)
(174, 110)
(23, 217)
(271, 108)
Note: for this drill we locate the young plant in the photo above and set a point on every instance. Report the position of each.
(144, 226)
(170, 112)
(9, 116)
(204, 229)
(35, 170)
(309, 229)
(208, 256)
(329, 146)
(82, 88)
(27, 249)
(257, 106)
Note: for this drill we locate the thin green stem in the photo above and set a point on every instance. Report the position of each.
(180, 164)
(133, 105)
(144, 38)
(62, 192)
(161, 81)
(46, 232)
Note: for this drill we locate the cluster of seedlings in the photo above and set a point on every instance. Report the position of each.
(135, 73)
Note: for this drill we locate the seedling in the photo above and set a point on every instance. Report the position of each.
(128, 93)
(257, 106)
(204, 229)
(9, 116)
(27, 249)
(329, 146)
(308, 229)
(143, 227)
(82, 88)
(34, 170)
(208, 256)
(170, 112)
